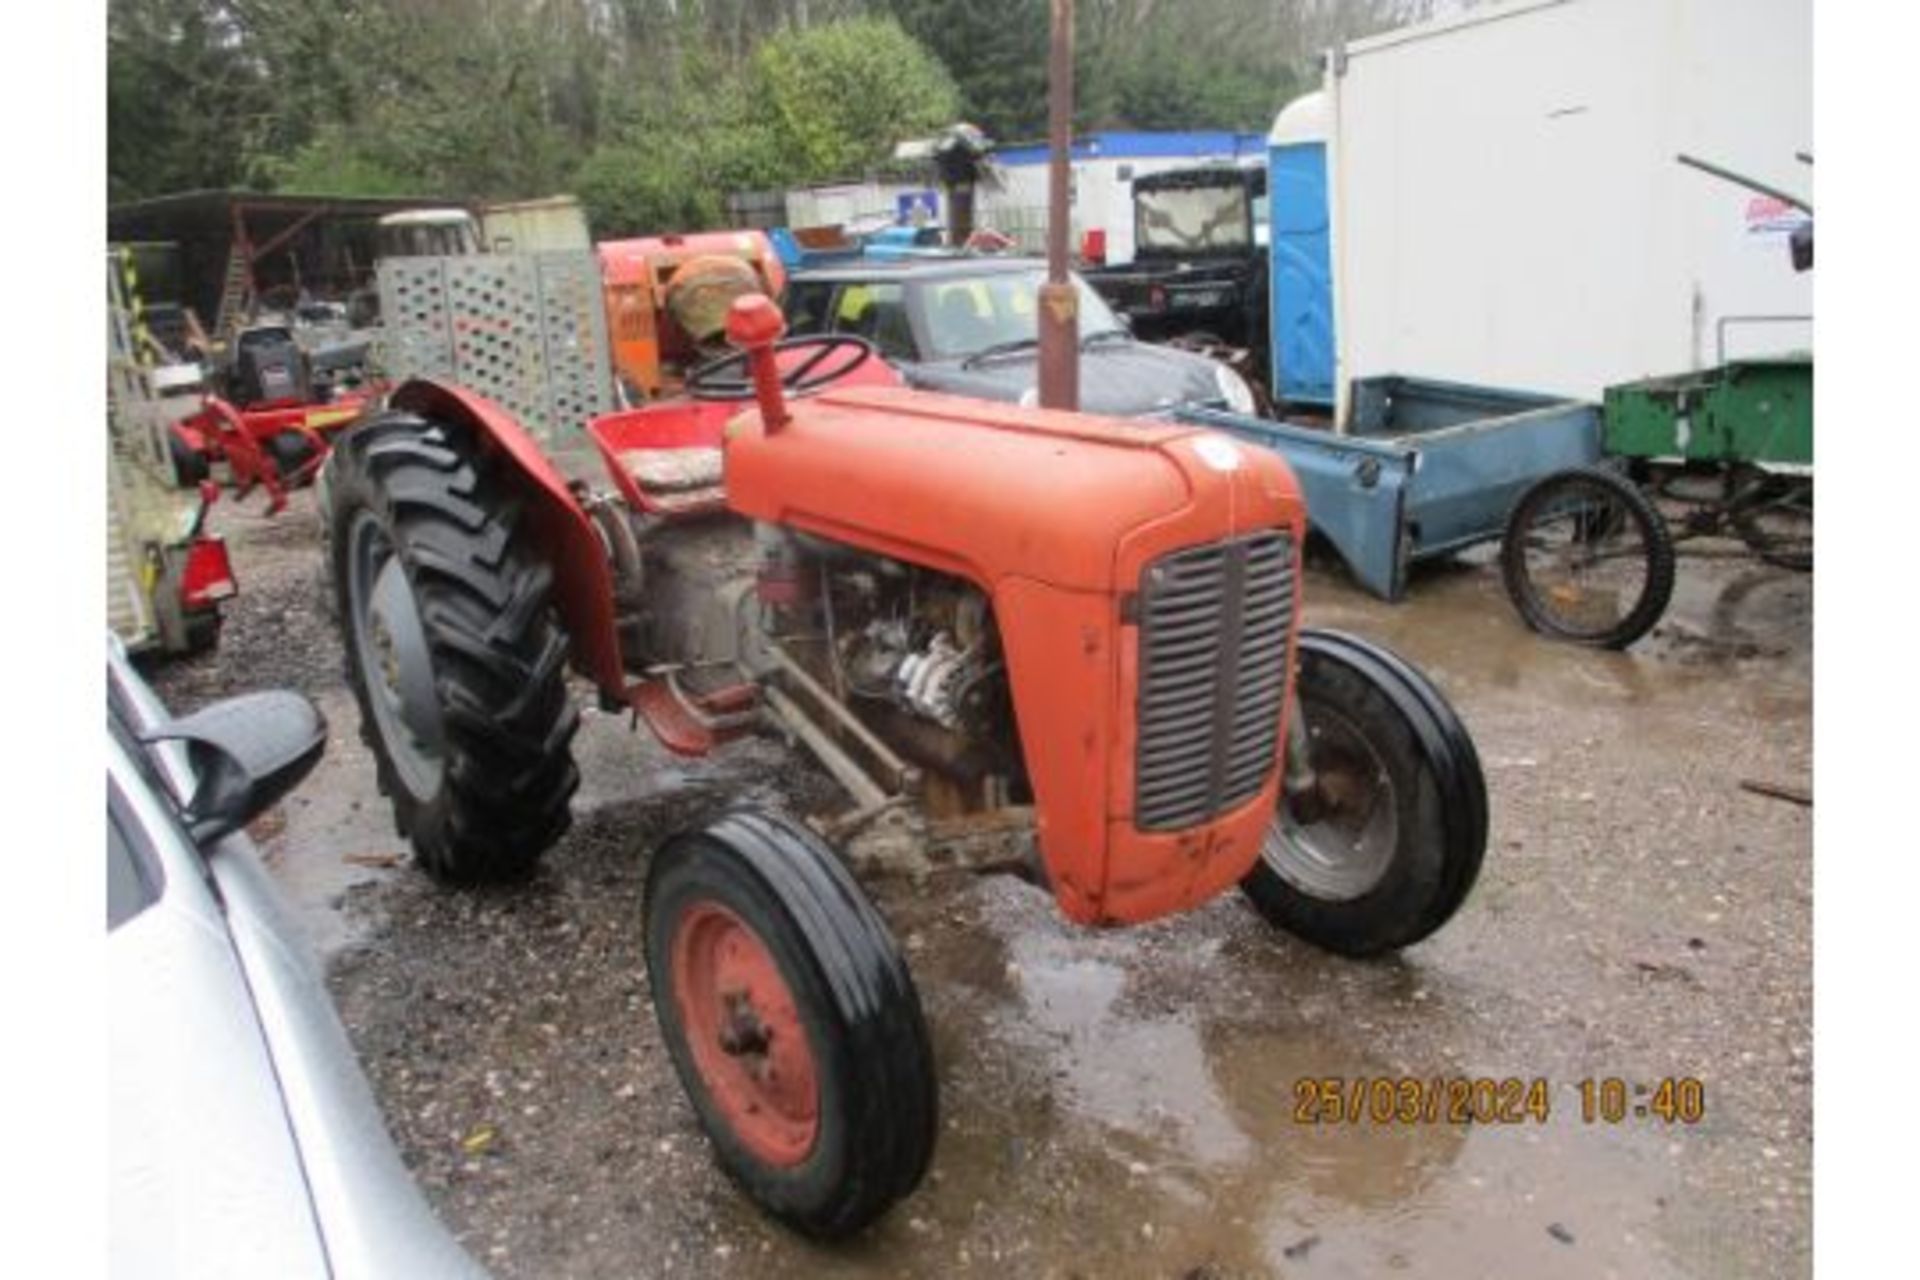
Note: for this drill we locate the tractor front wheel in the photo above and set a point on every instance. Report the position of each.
(792, 1022)
(1389, 841)
(453, 650)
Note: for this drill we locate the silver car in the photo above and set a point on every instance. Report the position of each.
(243, 1137)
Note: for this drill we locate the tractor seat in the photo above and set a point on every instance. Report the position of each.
(673, 471)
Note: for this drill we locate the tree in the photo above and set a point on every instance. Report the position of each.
(837, 97)
(183, 101)
(657, 108)
(996, 51)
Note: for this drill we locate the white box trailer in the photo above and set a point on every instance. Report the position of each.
(1506, 205)
(552, 224)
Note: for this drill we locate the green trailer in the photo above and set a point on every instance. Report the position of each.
(1757, 412)
(1727, 452)
(1588, 554)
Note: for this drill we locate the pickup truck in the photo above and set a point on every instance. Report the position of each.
(1200, 259)
(1421, 469)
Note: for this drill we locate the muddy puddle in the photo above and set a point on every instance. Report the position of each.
(1125, 1104)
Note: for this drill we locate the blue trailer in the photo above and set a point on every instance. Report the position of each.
(1422, 469)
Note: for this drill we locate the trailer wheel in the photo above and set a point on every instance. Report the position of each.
(290, 451)
(189, 464)
(453, 652)
(1391, 842)
(1587, 558)
(1776, 522)
(202, 631)
(792, 1022)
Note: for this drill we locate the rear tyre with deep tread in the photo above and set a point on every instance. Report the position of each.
(753, 925)
(485, 791)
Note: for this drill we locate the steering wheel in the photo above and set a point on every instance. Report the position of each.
(728, 379)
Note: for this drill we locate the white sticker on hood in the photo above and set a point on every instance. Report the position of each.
(1218, 452)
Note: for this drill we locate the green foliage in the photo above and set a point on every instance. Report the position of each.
(182, 103)
(333, 163)
(997, 52)
(837, 97)
(810, 104)
(653, 110)
(1161, 77)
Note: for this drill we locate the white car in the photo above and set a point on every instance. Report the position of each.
(243, 1137)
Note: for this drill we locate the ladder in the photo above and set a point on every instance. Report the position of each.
(234, 292)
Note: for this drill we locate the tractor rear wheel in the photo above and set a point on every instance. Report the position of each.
(792, 1022)
(453, 650)
(1389, 845)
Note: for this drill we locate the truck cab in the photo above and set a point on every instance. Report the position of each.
(1200, 257)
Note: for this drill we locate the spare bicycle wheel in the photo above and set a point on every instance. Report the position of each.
(1588, 559)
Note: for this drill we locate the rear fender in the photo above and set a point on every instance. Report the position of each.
(582, 579)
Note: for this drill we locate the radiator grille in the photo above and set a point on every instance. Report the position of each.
(1214, 625)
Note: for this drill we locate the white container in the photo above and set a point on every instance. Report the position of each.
(1506, 205)
(548, 225)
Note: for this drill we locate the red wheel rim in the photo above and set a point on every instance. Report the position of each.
(744, 1032)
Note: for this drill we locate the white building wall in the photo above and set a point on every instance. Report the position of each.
(847, 202)
(1508, 210)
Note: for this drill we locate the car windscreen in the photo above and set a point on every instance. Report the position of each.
(963, 315)
(1190, 219)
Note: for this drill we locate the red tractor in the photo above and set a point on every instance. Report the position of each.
(980, 617)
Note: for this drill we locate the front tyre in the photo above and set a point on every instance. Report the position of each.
(453, 651)
(1391, 841)
(791, 1021)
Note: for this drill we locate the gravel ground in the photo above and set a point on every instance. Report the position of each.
(1123, 1102)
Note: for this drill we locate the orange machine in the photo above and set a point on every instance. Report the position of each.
(666, 299)
(1069, 641)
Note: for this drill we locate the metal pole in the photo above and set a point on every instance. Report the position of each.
(1059, 302)
(1740, 180)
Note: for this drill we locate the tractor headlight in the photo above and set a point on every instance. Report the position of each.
(1233, 389)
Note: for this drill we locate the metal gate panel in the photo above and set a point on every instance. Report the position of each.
(129, 609)
(415, 337)
(136, 452)
(528, 331)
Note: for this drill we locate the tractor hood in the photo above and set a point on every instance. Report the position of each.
(1056, 516)
(990, 490)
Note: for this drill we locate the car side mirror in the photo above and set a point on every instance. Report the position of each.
(245, 753)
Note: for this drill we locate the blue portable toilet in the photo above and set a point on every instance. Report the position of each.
(1301, 275)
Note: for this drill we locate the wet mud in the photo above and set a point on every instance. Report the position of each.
(1127, 1102)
